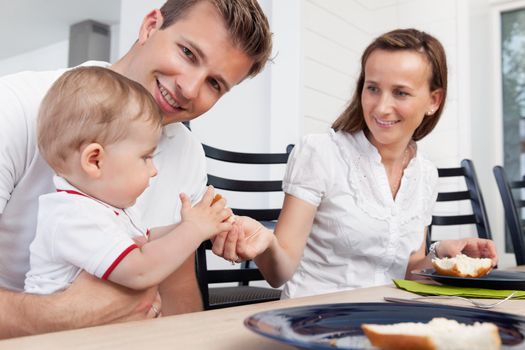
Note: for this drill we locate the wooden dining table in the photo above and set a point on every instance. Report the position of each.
(214, 329)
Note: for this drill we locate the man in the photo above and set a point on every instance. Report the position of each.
(188, 55)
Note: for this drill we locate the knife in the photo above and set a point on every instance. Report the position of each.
(409, 301)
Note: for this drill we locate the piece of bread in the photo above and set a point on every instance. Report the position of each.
(231, 218)
(462, 266)
(215, 199)
(439, 334)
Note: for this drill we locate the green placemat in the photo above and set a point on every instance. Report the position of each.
(432, 289)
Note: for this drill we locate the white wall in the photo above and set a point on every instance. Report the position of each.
(335, 34)
(54, 56)
(50, 57)
(132, 12)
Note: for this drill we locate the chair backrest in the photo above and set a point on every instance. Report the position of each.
(267, 216)
(472, 193)
(512, 206)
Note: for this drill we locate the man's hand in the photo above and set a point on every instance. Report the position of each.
(89, 301)
(93, 302)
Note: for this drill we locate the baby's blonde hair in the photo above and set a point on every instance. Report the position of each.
(90, 104)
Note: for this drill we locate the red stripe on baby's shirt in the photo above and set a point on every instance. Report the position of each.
(118, 260)
(85, 195)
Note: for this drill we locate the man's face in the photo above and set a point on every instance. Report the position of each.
(187, 66)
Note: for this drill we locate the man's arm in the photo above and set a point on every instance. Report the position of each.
(89, 301)
(180, 291)
(156, 260)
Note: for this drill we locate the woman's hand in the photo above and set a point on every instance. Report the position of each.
(473, 247)
(247, 239)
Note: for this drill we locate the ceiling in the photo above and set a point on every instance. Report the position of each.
(31, 24)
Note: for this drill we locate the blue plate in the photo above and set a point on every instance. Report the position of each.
(338, 326)
(496, 279)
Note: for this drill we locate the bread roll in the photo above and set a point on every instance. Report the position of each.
(438, 334)
(462, 266)
(218, 197)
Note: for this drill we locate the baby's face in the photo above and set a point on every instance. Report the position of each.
(128, 165)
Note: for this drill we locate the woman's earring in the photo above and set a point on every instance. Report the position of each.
(430, 112)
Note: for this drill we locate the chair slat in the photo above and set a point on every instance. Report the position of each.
(453, 196)
(258, 214)
(453, 220)
(234, 275)
(473, 194)
(450, 172)
(242, 293)
(245, 185)
(517, 184)
(245, 158)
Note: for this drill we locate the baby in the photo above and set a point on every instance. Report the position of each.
(98, 131)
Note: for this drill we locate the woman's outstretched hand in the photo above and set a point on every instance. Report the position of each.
(247, 239)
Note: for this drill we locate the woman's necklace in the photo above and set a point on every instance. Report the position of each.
(395, 178)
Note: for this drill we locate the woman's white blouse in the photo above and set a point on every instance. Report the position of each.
(361, 236)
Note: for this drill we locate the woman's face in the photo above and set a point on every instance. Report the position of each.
(396, 96)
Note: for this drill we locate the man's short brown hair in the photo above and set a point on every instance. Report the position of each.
(90, 104)
(243, 19)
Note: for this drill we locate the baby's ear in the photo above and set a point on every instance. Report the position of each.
(91, 159)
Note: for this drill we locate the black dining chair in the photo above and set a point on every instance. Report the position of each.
(512, 207)
(242, 292)
(472, 193)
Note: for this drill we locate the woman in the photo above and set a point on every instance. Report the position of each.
(359, 198)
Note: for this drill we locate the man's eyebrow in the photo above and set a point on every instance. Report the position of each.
(203, 56)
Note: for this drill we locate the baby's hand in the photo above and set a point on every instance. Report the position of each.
(208, 218)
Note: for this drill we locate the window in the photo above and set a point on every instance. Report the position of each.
(513, 94)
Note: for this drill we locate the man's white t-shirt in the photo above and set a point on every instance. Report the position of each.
(24, 175)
